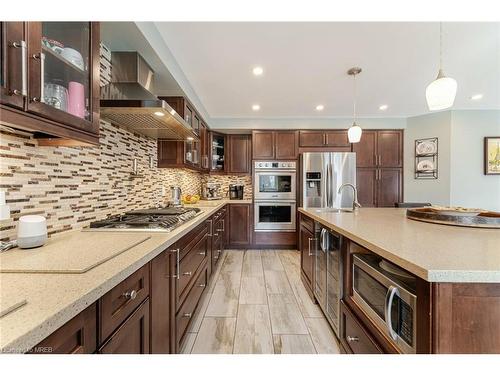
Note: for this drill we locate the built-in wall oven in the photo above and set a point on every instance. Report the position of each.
(272, 216)
(275, 180)
(275, 196)
(387, 294)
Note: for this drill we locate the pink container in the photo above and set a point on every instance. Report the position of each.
(76, 99)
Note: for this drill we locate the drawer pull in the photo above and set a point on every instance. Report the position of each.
(220, 230)
(202, 253)
(352, 338)
(187, 315)
(130, 295)
(187, 273)
(201, 285)
(216, 257)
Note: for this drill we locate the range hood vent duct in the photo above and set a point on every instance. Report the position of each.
(128, 101)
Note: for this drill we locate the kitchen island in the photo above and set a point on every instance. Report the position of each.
(455, 283)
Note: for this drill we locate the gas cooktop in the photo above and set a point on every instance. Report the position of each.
(148, 220)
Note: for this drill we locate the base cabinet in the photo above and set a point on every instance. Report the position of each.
(354, 338)
(133, 335)
(240, 225)
(306, 243)
(78, 336)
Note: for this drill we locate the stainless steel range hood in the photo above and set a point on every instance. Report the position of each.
(128, 102)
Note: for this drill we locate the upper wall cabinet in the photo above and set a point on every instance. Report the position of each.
(239, 152)
(321, 138)
(270, 145)
(380, 148)
(185, 109)
(50, 78)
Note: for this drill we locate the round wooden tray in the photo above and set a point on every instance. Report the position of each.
(482, 220)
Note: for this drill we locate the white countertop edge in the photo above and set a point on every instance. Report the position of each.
(445, 276)
(39, 332)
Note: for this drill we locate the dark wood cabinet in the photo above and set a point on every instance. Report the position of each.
(78, 336)
(239, 154)
(45, 92)
(321, 138)
(366, 182)
(274, 144)
(379, 149)
(13, 86)
(389, 186)
(390, 148)
(353, 336)
(204, 147)
(379, 160)
(286, 145)
(162, 304)
(306, 243)
(379, 187)
(262, 145)
(132, 337)
(240, 225)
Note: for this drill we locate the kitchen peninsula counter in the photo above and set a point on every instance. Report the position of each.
(434, 252)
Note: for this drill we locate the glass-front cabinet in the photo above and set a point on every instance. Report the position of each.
(56, 66)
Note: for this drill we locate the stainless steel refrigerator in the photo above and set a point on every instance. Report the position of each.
(322, 173)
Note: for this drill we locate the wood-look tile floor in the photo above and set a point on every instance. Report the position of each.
(258, 305)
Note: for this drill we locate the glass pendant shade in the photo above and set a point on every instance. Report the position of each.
(354, 133)
(441, 92)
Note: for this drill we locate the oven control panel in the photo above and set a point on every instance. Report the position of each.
(275, 165)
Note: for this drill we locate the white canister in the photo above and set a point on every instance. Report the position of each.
(31, 231)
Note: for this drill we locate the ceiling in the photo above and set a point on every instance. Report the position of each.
(305, 64)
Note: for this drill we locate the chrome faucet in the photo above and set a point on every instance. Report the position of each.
(355, 203)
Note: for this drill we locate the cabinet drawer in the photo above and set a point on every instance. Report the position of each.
(122, 300)
(307, 222)
(187, 310)
(133, 335)
(189, 266)
(78, 336)
(354, 337)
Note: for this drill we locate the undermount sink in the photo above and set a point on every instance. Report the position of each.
(334, 210)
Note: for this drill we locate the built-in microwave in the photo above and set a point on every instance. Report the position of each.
(387, 295)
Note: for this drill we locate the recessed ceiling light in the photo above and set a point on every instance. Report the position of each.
(477, 97)
(320, 107)
(383, 107)
(257, 71)
(159, 114)
(255, 107)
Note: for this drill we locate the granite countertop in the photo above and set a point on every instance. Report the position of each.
(434, 252)
(52, 299)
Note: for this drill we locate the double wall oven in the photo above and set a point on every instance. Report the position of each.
(275, 196)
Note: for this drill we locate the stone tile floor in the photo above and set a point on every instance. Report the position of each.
(258, 305)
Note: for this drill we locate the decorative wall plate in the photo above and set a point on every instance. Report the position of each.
(426, 147)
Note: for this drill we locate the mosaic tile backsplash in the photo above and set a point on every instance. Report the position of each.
(72, 186)
(225, 180)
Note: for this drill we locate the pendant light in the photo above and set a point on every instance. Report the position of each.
(354, 132)
(441, 92)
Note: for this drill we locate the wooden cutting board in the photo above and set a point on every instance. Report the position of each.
(77, 253)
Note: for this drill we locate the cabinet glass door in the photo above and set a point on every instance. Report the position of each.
(61, 71)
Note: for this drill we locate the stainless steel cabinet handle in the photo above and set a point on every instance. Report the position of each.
(219, 230)
(309, 243)
(24, 68)
(352, 338)
(201, 285)
(210, 225)
(177, 261)
(130, 295)
(187, 273)
(389, 297)
(202, 253)
(187, 315)
(40, 56)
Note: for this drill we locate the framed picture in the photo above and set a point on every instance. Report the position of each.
(492, 155)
